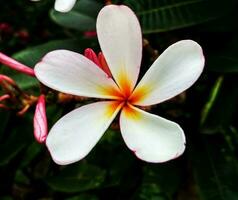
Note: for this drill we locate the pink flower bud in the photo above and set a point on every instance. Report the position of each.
(40, 121)
(103, 64)
(4, 59)
(98, 60)
(91, 55)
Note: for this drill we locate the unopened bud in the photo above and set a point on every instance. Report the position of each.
(91, 55)
(40, 121)
(4, 59)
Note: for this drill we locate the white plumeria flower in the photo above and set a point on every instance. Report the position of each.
(150, 137)
(63, 5)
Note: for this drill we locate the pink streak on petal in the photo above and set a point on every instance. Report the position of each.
(91, 55)
(4, 97)
(40, 121)
(4, 59)
(7, 79)
(103, 64)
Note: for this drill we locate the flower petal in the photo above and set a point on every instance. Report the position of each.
(119, 35)
(150, 137)
(75, 134)
(64, 5)
(72, 73)
(178, 67)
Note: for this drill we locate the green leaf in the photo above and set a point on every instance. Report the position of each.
(21, 178)
(77, 178)
(82, 17)
(220, 114)
(212, 98)
(162, 16)
(160, 182)
(6, 198)
(32, 55)
(150, 191)
(31, 152)
(83, 197)
(215, 170)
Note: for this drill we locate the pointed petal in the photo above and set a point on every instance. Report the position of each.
(119, 35)
(75, 134)
(150, 137)
(177, 68)
(72, 73)
(64, 5)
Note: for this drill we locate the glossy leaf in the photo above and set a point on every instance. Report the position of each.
(82, 17)
(163, 16)
(224, 107)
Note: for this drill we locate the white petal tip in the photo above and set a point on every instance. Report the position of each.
(64, 5)
(159, 160)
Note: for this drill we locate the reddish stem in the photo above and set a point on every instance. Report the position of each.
(7, 79)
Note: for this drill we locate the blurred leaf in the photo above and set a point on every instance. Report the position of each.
(150, 191)
(160, 182)
(31, 152)
(162, 16)
(82, 17)
(213, 95)
(53, 112)
(224, 107)
(6, 198)
(77, 178)
(21, 178)
(9, 153)
(224, 24)
(215, 170)
(224, 59)
(112, 146)
(32, 55)
(83, 197)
